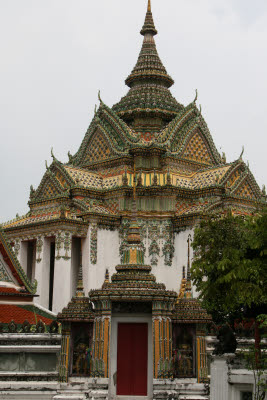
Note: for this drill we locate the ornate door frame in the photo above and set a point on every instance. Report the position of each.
(130, 318)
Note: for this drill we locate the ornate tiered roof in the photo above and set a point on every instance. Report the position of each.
(148, 137)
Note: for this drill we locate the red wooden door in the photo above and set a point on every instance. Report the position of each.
(132, 359)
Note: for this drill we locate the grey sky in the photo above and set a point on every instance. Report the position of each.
(57, 54)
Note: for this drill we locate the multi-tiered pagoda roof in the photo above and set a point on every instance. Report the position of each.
(149, 138)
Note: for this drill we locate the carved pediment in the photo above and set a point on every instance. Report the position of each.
(197, 150)
(245, 190)
(50, 187)
(98, 148)
(5, 273)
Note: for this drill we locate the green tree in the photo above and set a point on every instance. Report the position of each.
(230, 265)
(229, 271)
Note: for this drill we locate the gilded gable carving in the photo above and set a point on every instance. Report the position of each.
(50, 190)
(234, 177)
(4, 277)
(61, 178)
(245, 191)
(98, 148)
(196, 150)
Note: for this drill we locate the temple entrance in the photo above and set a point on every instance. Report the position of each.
(132, 359)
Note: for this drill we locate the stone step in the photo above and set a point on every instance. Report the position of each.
(175, 395)
(80, 395)
(69, 396)
(193, 397)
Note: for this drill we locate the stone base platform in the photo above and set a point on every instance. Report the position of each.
(179, 389)
(97, 389)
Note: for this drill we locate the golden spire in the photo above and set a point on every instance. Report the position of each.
(149, 26)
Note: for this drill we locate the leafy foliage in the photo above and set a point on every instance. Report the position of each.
(230, 265)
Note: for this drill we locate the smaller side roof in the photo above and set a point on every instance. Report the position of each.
(19, 313)
(12, 262)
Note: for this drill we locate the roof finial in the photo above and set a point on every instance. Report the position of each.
(149, 26)
(196, 96)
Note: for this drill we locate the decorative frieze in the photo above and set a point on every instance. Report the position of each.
(67, 245)
(39, 249)
(17, 247)
(93, 243)
(58, 245)
(156, 236)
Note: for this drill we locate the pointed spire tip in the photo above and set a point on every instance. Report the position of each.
(149, 26)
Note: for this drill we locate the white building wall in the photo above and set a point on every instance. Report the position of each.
(107, 258)
(86, 261)
(42, 273)
(22, 254)
(75, 264)
(171, 275)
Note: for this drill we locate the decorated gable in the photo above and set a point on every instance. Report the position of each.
(5, 273)
(12, 277)
(197, 150)
(50, 186)
(236, 174)
(245, 190)
(98, 148)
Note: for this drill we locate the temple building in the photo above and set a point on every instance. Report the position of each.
(108, 240)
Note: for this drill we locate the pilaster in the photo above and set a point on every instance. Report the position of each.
(162, 341)
(42, 271)
(202, 361)
(64, 354)
(22, 251)
(101, 347)
(62, 292)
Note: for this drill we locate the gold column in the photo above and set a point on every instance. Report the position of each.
(162, 346)
(64, 355)
(106, 344)
(101, 344)
(156, 345)
(202, 362)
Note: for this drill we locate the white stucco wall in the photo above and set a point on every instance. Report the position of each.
(108, 245)
(22, 255)
(171, 275)
(107, 258)
(42, 273)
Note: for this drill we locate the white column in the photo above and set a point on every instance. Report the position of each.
(86, 261)
(219, 386)
(62, 292)
(21, 250)
(42, 271)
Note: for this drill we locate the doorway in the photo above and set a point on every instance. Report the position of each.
(125, 323)
(132, 357)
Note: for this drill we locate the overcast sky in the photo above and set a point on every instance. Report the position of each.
(56, 54)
